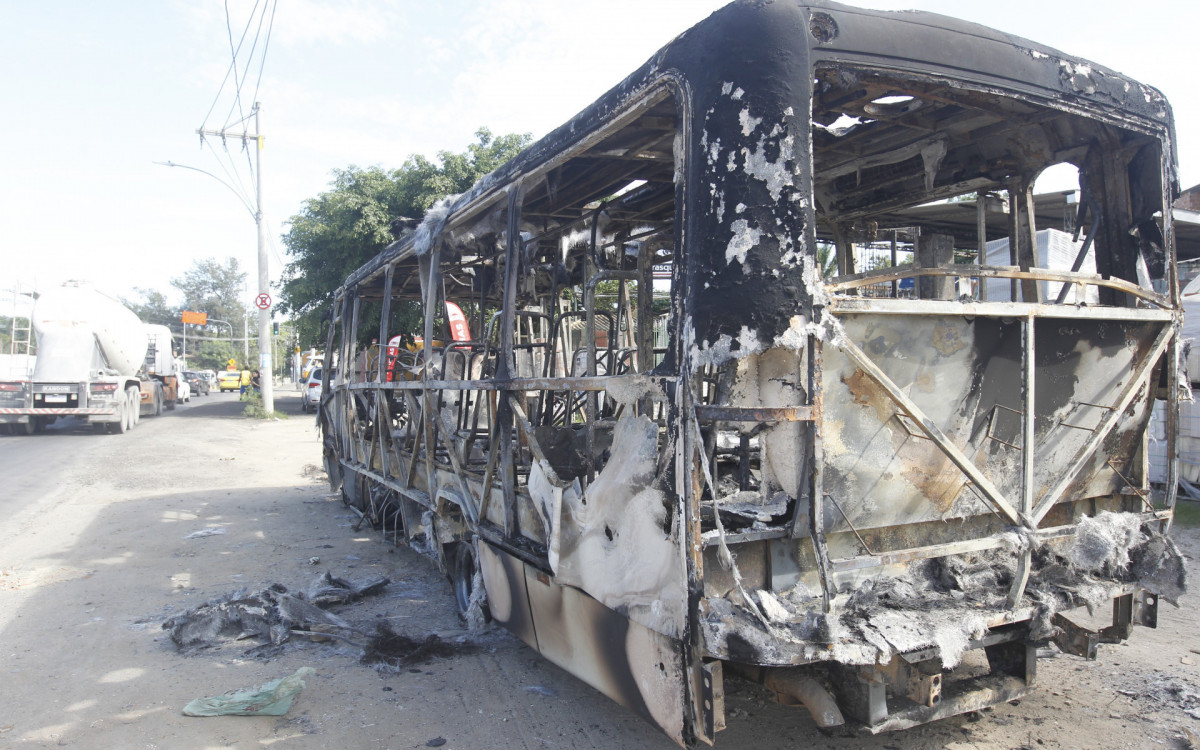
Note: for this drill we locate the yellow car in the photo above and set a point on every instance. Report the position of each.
(229, 380)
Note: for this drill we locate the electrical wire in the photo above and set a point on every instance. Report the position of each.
(233, 63)
(266, 45)
(237, 86)
(250, 62)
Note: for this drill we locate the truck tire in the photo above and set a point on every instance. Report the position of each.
(157, 401)
(134, 394)
(122, 424)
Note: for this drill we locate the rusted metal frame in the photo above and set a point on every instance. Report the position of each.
(816, 459)
(471, 507)
(1138, 492)
(645, 310)
(884, 306)
(430, 289)
(384, 319)
(1176, 351)
(1022, 241)
(489, 472)
(391, 452)
(846, 518)
(346, 417)
(589, 306)
(843, 249)
(1028, 452)
(506, 364)
(879, 276)
(1173, 355)
(351, 343)
(981, 482)
(1083, 251)
(708, 413)
(471, 503)
(882, 559)
(1137, 380)
(980, 239)
(326, 378)
(364, 438)
(418, 433)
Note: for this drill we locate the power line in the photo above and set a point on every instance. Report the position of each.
(237, 86)
(262, 63)
(249, 60)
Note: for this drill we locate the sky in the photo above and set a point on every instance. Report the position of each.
(94, 94)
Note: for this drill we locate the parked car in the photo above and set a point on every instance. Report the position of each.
(229, 380)
(310, 394)
(197, 382)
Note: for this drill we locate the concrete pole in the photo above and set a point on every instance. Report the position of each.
(265, 358)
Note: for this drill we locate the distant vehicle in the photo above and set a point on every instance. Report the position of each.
(197, 382)
(310, 395)
(184, 393)
(229, 380)
(209, 377)
(309, 360)
(97, 362)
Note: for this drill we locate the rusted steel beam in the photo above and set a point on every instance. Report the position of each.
(1137, 380)
(981, 482)
(869, 278)
(881, 559)
(882, 306)
(1028, 452)
(752, 414)
(598, 383)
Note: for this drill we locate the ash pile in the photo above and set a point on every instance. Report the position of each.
(273, 615)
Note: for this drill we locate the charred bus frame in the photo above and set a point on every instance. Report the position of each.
(674, 449)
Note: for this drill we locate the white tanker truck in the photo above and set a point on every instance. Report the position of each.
(96, 361)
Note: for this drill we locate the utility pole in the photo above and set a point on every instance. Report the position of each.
(264, 314)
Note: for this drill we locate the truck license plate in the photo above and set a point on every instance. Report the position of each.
(52, 398)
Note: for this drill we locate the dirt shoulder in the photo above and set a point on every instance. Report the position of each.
(91, 567)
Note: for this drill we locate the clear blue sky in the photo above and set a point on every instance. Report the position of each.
(94, 93)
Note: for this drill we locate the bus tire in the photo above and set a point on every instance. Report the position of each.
(463, 569)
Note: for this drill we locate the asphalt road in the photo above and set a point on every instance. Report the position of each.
(105, 537)
(33, 466)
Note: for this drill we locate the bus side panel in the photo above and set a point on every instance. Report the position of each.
(508, 601)
(635, 666)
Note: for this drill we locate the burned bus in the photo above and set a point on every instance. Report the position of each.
(698, 394)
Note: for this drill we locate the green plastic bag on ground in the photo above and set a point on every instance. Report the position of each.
(272, 698)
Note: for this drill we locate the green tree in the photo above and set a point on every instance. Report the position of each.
(216, 288)
(153, 307)
(344, 227)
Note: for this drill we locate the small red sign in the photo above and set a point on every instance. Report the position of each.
(263, 301)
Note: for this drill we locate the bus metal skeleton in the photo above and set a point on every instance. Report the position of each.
(676, 451)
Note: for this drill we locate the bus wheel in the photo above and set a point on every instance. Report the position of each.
(463, 571)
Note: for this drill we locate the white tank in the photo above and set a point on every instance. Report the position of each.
(72, 321)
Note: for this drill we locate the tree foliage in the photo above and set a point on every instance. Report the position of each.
(344, 227)
(209, 286)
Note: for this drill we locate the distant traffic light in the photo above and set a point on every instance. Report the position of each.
(275, 328)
